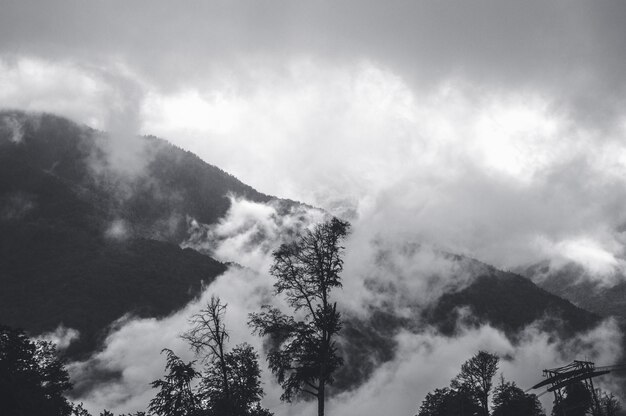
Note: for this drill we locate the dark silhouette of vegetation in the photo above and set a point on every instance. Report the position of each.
(305, 356)
(241, 393)
(476, 377)
(231, 382)
(175, 396)
(33, 379)
(610, 405)
(469, 392)
(510, 400)
(577, 401)
(449, 402)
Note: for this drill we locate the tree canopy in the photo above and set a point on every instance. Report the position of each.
(230, 384)
(33, 379)
(175, 396)
(449, 402)
(476, 377)
(305, 356)
(510, 400)
(469, 393)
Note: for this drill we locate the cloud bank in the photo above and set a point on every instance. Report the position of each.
(422, 360)
(493, 128)
(507, 176)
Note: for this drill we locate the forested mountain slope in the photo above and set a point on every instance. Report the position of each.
(82, 244)
(573, 283)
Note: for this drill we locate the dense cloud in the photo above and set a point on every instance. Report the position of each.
(423, 360)
(569, 47)
(489, 128)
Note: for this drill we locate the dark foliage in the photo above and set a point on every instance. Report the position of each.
(610, 405)
(469, 392)
(476, 377)
(305, 354)
(241, 394)
(175, 396)
(510, 400)
(231, 382)
(33, 380)
(576, 402)
(449, 402)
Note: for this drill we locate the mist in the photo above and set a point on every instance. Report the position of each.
(423, 359)
(491, 130)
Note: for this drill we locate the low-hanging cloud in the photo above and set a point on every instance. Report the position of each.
(508, 175)
(428, 360)
(107, 98)
(250, 231)
(422, 360)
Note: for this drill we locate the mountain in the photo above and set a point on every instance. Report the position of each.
(509, 302)
(83, 245)
(572, 282)
(504, 300)
(84, 241)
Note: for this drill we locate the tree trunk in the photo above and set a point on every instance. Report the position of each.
(320, 399)
(485, 404)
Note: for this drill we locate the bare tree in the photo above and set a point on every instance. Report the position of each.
(305, 356)
(208, 335)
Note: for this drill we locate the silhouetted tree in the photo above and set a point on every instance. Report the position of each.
(510, 400)
(79, 410)
(449, 402)
(610, 405)
(305, 355)
(476, 376)
(175, 397)
(577, 401)
(231, 382)
(208, 336)
(244, 385)
(33, 379)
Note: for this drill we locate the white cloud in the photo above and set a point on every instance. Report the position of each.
(486, 172)
(422, 361)
(62, 337)
(427, 361)
(477, 171)
(62, 87)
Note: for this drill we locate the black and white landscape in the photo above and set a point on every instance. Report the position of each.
(154, 155)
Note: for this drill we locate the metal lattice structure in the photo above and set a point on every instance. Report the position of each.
(558, 379)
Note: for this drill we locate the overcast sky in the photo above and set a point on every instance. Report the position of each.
(492, 128)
